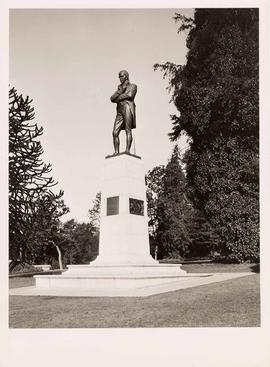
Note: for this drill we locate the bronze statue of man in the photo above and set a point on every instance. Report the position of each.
(125, 111)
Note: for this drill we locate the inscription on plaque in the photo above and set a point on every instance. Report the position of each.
(113, 205)
(136, 206)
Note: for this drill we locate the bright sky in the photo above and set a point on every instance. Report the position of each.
(68, 62)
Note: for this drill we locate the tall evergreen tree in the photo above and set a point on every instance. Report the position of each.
(154, 190)
(29, 178)
(216, 94)
(173, 210)
(170, 209)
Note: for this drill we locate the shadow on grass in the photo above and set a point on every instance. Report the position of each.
(255, 268)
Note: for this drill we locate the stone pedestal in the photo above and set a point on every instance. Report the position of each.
(124, 237)
(124, 260)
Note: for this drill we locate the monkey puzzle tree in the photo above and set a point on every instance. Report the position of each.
(29, 179)
(216, 94)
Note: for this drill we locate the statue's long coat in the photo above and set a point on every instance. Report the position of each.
(126, 94)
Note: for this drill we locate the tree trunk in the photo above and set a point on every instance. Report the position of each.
(59, 257)
(156, 252)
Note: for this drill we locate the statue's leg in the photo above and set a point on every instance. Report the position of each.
(129, 140)
(116, 143)
(116, 131)
(128, 126)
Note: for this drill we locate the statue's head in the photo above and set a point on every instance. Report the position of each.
(123, 76)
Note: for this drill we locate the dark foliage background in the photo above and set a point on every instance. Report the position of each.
(177, 229)
(216, 94)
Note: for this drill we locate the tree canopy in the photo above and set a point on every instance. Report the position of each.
(217, 96)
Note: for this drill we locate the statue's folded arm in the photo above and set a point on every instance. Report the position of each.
(129, 95)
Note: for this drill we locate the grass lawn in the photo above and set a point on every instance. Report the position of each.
(21, 282)
(232, 303)
(221, 268)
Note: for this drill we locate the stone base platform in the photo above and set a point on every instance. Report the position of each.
(183, 282)
(111, 276)
(150, 268)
